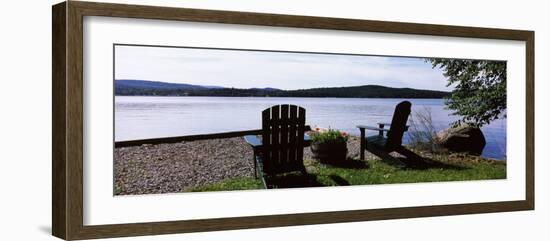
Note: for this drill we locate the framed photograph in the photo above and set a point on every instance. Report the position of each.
(171, 120)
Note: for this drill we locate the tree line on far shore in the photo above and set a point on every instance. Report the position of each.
(366, 91)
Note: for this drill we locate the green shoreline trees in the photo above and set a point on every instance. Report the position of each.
(366, 91)
(479, 89)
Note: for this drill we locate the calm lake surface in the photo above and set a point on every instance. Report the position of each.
(139, 117)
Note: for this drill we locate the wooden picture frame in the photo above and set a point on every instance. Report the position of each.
(67, 152)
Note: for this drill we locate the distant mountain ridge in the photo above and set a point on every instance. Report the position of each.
(155, 88)
(128, 83)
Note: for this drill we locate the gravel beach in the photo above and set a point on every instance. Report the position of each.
(169, 168)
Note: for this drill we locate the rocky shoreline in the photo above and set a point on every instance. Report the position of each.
(174, 167)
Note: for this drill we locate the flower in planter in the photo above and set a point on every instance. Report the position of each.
(326, 136)
(329, 145)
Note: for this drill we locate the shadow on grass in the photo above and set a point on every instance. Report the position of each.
(350, 163)
(293, 181)
(339, 180)
(300, 180)
(411, 160)
(417, 162)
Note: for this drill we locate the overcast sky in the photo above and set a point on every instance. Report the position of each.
(260, 69)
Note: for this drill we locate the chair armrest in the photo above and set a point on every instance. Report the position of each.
(253, 141)
(371, 128)
(382, 124)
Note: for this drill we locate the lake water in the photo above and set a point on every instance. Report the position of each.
(138, 117)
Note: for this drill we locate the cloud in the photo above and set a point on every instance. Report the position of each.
(248, 69)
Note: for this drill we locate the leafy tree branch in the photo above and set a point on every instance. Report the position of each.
(479, 94)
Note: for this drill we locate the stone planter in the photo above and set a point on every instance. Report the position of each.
(329, 152)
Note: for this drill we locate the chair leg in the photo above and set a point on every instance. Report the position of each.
(264, 181)
(381, 126)
(362, 143)
(255, 166)
(260, 167)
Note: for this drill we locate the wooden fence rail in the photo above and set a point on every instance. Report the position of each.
(190, 138)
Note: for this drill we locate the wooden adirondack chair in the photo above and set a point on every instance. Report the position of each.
(281, 149)
(381, 145)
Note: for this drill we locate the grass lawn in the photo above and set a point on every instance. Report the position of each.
(439, 168)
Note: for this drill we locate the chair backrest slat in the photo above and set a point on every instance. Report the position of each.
(283, 135)
(292, 131)
(398, 124)
(266, 134)
(275, 134)
(300, 133)
(283, 154)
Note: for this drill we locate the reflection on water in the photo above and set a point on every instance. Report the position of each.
(138, 117)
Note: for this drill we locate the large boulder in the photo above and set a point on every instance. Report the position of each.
(462, 139)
